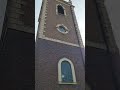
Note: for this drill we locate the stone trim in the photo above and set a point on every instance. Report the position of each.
(59, 41)
(57, 9)
(76, 27)
(42, 18)
(60, 74)
(74, 83)
(96, 45)
(64, 27)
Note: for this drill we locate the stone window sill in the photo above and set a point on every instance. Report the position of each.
(62, 83)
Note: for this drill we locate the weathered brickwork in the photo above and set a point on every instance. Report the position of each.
(18, 13)
(46, 65)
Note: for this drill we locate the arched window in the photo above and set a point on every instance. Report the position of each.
(66, 73)
(60, 10)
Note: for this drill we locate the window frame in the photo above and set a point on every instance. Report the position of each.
(60, 72)
(63, 9)
(64, 27)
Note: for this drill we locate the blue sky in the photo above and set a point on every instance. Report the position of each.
(79, 12)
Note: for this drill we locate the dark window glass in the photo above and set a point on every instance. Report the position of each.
(60, 9)
(62, 29)
(66, 72)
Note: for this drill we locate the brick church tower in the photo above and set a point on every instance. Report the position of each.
(59, 63)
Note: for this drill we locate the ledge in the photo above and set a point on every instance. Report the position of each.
(74, 83)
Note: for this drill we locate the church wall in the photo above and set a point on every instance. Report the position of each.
(93, 29)
(102, 66)
(20, 15)
(116, 68)
(99, 70)
(17, 58)
(113, 14)
(17, 46)
(112, 8)
(48, 54)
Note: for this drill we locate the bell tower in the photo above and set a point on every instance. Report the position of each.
(59, 63)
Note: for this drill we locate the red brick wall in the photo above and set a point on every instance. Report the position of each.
(53, 19)
(46, 65)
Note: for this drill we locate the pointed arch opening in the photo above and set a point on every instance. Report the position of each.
(60, 10)
(66, 72)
